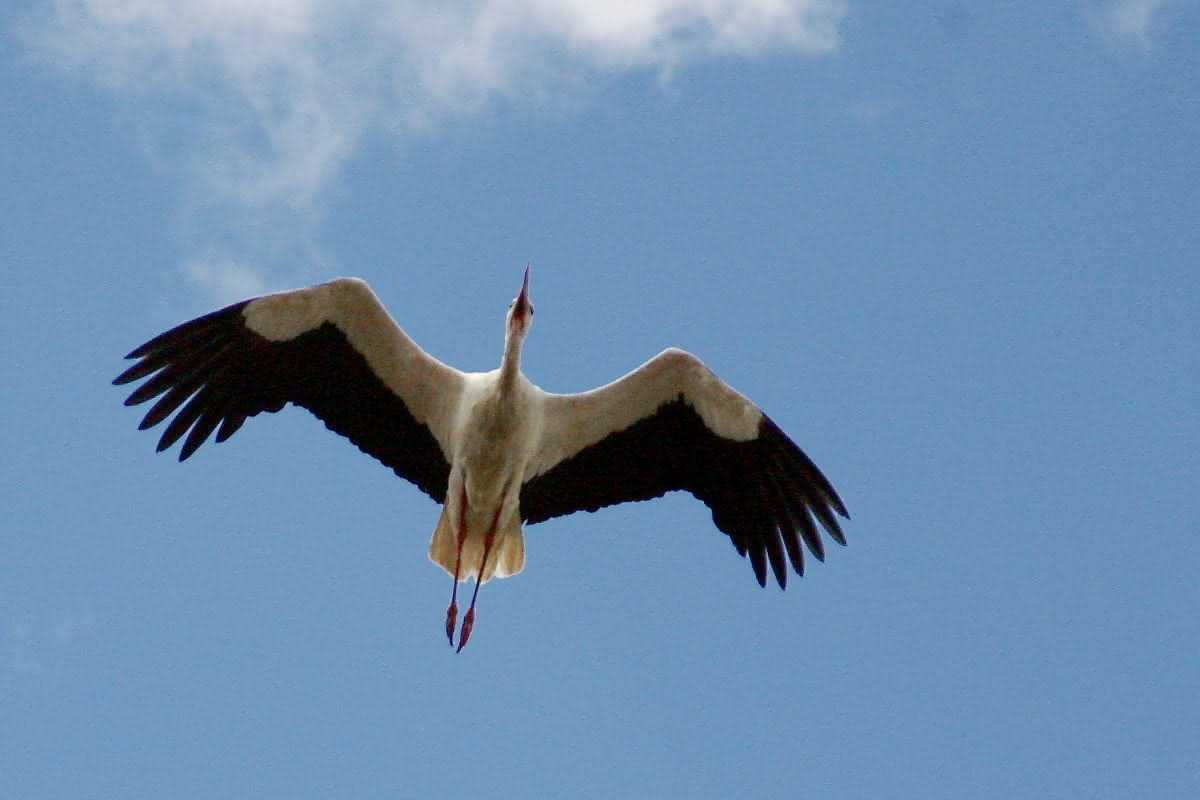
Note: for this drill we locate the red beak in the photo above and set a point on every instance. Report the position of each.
(523, 304)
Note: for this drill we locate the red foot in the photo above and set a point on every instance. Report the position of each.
(451, 617)
(468, 623)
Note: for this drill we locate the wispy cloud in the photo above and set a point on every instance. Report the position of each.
(224, 278)
(1129, 22)
(872, 110)
(285, 90)
(31, 643)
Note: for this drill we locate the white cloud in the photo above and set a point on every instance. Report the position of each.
(31, 643)
(1130, 22)
(286, 89)
(871, 111)
(224, 278)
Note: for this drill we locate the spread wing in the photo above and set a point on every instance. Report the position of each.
(332, 349)
(672, 424)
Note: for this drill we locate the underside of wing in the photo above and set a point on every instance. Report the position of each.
(763, 491)
(215, 371)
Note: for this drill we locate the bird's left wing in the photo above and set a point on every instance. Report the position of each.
(332, 349)
(671, 424)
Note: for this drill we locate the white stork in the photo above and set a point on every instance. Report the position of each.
(495, 450)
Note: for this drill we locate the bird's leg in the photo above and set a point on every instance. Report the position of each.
(452, 611)
(469, 619)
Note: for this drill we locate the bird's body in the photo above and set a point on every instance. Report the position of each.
(494, 449)
(486, 474)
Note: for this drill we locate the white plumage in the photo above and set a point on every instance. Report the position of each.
(495, 450)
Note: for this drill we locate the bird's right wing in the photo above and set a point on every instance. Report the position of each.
(332, 349)
(671, 424)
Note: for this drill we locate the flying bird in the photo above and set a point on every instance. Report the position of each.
(492, 448)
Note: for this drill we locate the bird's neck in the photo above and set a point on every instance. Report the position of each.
(510, 364)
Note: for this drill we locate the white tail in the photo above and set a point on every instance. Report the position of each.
(507, 557)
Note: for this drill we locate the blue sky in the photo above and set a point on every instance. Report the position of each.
(951, 249)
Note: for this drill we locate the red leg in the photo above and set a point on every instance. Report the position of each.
(452, 611)
(469, 619)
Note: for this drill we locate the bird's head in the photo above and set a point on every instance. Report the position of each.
(520, 313)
